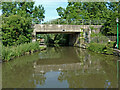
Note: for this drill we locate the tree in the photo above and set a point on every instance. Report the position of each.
(16, 30)
(24, 9)
(94, 11)
(17, 20)
(38, 14)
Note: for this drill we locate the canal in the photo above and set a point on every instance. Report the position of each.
(61, 67)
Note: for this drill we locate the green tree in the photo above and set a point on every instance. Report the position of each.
(91, 11)
(38, 14)
(24, 9)
(16, 30)
(17, 20)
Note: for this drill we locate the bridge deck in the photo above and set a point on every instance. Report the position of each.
(47, 28)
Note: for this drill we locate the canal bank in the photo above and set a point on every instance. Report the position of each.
(103, 48)
(11, 52)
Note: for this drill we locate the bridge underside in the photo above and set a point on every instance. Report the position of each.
(73, 36)
(56, 32)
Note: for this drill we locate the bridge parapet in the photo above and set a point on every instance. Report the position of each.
(60, 28)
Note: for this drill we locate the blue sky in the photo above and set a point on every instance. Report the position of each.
(50, 7)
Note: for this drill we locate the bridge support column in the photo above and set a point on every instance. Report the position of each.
(74, 39)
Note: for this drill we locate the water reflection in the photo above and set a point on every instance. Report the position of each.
(63, 67)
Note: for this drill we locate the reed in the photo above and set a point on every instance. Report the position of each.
(11, 52)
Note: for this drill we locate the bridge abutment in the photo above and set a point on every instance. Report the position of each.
(74, 39)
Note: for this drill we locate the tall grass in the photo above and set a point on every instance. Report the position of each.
(11, 52)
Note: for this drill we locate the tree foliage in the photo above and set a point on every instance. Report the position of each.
(17, 20)
(24, 9)
(16, 30)
(91, 13)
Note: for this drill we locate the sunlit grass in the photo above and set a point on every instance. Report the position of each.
(11, 52)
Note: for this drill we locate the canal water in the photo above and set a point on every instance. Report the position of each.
(61, 67)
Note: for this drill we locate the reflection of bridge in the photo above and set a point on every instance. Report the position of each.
(73, 66)
(73, 30)
(52, 28)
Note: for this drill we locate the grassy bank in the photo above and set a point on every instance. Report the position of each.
(11, 52)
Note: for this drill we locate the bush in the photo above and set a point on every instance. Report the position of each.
(16, 51)
(16, 30)
(99, 43)
(100, 48)
(97, 47)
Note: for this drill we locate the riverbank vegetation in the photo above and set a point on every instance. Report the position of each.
(102, 47)
(98, 43)
(17, 21)
(11, 52)
(101, 44)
